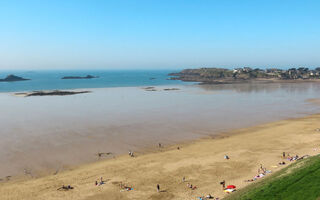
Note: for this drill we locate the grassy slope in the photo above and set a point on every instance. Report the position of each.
(298, 181)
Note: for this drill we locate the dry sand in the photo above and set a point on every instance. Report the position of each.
(201, 162)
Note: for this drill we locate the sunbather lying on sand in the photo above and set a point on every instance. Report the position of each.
(65, 187)
(305, 156)
(191, 186)
(125, 187)
(209, 196)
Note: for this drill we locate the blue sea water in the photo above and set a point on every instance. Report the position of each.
(51, 79)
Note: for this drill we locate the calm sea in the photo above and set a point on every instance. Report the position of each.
(50, 80)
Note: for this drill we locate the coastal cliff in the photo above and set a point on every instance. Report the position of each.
(241, 75)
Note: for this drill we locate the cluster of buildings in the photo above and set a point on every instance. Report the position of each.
(292, 73)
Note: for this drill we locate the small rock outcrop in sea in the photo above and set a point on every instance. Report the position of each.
(150, 89)
(80, 77)
(12, 78)
(50, 93)
(170, 89)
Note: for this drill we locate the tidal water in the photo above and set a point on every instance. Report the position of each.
(51, 79)
(53, 132)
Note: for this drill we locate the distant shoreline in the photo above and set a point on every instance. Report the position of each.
(246, 75)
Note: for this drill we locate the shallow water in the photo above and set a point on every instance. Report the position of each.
(51, 79)
(39, 133)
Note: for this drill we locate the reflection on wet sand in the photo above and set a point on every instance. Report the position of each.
(263, 87)
(53, 132)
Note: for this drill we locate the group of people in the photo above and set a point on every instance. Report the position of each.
(291, 158)
(192, 187)
(124, 187)
(131, 154)
(207, 197)
(100, 183)
(263, 172)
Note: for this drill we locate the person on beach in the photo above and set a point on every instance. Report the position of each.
(96, 183)
(223, 183)
(282, 163)
(209, 196)
(158, 188)
(262, 169)
(183, 179)
(101, 181)
(69, 187)
(160, 145)
(284, 155)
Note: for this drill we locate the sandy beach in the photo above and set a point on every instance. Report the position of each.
(201, 162)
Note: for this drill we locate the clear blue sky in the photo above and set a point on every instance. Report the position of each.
(109, 34)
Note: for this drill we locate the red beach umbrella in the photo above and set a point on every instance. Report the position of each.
(231, 187)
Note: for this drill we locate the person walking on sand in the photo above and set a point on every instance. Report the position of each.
(158, 188)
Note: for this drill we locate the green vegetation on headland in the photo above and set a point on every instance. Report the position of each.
(300, 180)
(221, 75)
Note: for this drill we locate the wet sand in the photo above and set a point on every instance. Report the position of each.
(201, 162)
(47, 134)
